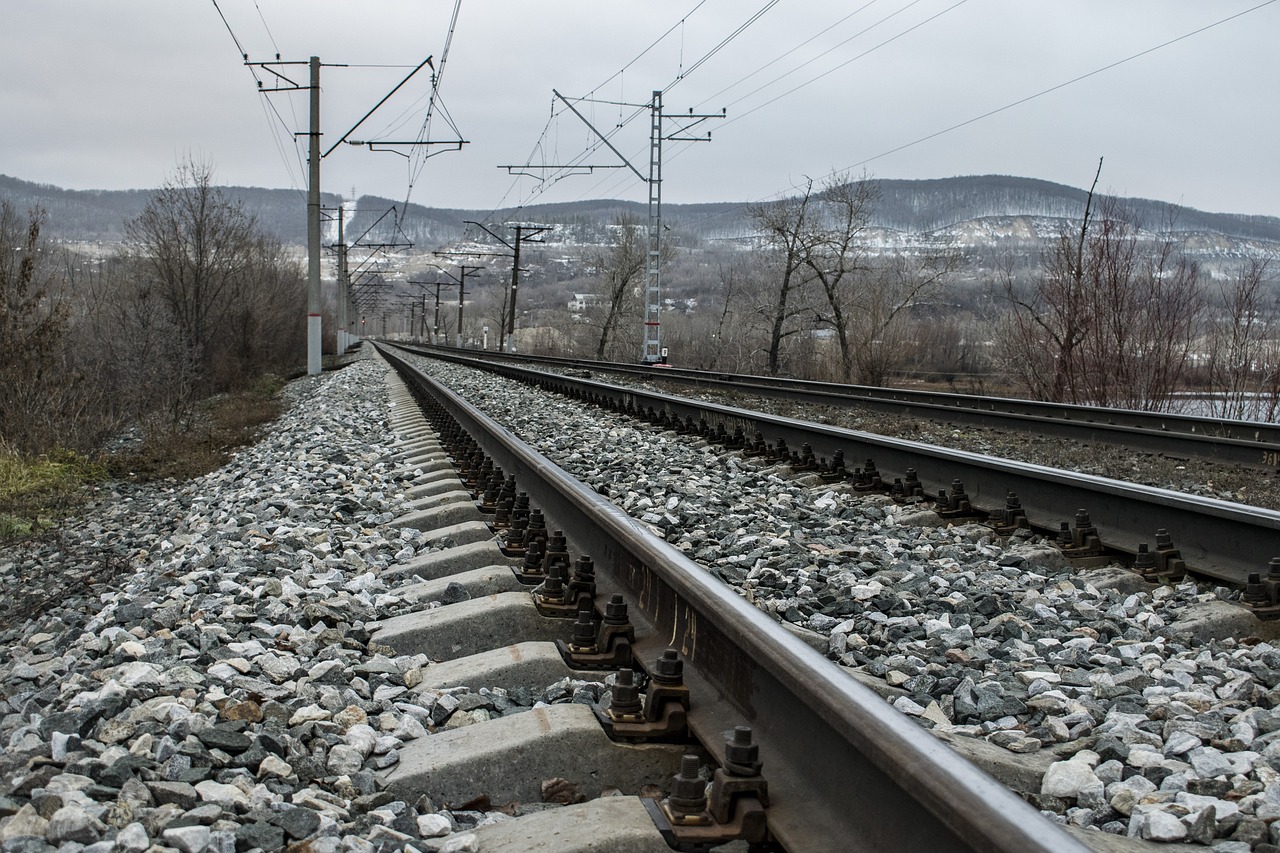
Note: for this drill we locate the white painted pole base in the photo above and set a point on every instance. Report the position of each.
(314, 365)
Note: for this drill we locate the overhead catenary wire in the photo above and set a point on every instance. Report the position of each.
(415, 170)
(577, 162)
(756, 16)
(716, 97)
(622, 122)
(1062, 85)
(989, 113)
(847, 62)
(293, 178)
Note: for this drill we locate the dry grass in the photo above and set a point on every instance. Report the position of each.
(36, 492)
(222, 424)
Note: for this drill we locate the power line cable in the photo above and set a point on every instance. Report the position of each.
(742, 28)
(578, 160)
(781, 193)
(283, 124)
(263, 18)
(784, 55)
(655, 43)
(682, 147)
(760, 13)
(1064, 84)
(847, 62)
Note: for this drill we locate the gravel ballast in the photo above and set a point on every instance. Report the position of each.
(202, 677)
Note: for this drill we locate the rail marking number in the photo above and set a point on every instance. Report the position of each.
(688, 639)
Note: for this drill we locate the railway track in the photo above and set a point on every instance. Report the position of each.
(838, 767)
(1163, 531)
(1248, 443)
(324, 643)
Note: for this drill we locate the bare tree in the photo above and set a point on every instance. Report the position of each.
(1111, 318)
(1243, 342)
(620, 267)
(879, 337)
(835, 257)
(788, 230)
(1050, 323)
(196, 252)
(33, 327)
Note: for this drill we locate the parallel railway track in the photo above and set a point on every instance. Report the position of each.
(1215, 538)
(1248, 443)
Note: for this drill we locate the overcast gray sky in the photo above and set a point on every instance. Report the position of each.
(110, 95)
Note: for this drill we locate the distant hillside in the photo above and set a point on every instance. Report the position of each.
(916, 207)
(948, 206)
(100, 215)
(934, 204)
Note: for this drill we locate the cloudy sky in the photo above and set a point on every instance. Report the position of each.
(110, 95)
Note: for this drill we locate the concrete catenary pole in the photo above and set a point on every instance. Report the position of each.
(510, 331)
(342, 299)
(462, 293)
(314, 362)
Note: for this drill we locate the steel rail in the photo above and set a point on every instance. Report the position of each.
(845, 770)
(1218, 539)
(1251, 443)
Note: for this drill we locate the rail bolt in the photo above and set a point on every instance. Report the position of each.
(615, 612)
(688, 790)
(584, 633)
(669, 669)
(1255, 594)
(624, 697)
(741, 756)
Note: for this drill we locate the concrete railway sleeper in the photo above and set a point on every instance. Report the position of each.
(749, 733)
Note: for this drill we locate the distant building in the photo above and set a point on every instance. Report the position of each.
(582, 301)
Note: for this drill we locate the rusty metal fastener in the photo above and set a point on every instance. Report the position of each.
(584, 634)
(624, 698)
(741, 756)
(611, 648)
(1255, 594)
(687, 802)
(669, 669)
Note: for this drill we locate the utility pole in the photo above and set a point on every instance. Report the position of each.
(651, 351)
(462, 292)
(343, 288)
(314, 363)
(284, 84)
(507, 327)
(435, 329)
(461, 281)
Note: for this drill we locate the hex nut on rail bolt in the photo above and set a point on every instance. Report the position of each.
(1081, 542)
(1169, 562)
(686, 805)
(610, 648)
(692, 819)
(1010, 519)
(1262, 596)
(666, 706)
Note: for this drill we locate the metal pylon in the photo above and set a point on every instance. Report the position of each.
(652, 351)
